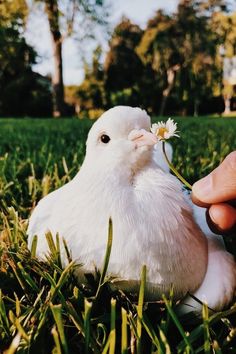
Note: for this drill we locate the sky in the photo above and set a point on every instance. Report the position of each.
(37, 34)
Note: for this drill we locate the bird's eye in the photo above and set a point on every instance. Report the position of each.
(105, 138)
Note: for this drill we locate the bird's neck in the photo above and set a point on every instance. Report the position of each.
(111, 174)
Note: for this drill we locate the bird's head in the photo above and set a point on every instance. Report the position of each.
(121, 137)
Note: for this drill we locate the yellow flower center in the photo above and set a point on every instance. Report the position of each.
(162, 131)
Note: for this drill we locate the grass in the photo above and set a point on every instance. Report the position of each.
(43, 309)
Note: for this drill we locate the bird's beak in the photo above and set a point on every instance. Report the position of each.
(142, 137)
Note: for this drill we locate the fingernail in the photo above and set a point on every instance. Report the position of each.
(223, 216)
(217, 228)
(212, 225)
(202, 188)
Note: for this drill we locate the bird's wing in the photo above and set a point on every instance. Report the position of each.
(219, 284)
(159, 158)
(171, 238)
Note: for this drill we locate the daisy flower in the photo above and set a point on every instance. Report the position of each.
(165, 130)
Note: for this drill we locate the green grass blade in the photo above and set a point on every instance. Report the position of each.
(107, 257)
(140, 308)
(57, 314)
(68, 254)
(18, 307)
(164, 341)
(194, 336)
(58, 250)
(152, 334)
(189, 347)
(34, 246)
(111, 341)
(101, 328)
(112, 346)
(106, 348)
(124, 337)
(62, 279)
(51, 244)
(207, 338)
(37, 300)
(14, 344)
(56, 340)
(28, 279)
(133, 325)
(87, 313)
(76, 319)
(3, 316)
(54, 291)
(16, 322)
(18, 276)
(79, 324)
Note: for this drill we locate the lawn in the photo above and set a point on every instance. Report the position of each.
(42, 307)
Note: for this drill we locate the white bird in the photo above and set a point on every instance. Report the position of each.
(154, 223)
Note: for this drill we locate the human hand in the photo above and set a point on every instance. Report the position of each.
(217, 192)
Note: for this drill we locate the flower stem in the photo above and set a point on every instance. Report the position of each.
(173, 169)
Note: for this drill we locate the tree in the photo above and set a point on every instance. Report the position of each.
(65, 19)
(182, 49)
(123, 80)
(91, 93)
(22, 91)
(122, 65)
(13, 12)
(172, 66)
(159, 48)
(198, 51)
(225, 26)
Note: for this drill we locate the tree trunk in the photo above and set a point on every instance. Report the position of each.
(171, 74)
(163, 101)
(57, 77)
(227, 99)
(196, 106)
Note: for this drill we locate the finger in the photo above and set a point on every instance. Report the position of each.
(198, 202)
(207, 205)
(221, 218)
(220, 185)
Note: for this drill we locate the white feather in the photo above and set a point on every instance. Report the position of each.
(153, 221)
(158, 155)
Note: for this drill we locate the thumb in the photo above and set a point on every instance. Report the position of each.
(220, 185)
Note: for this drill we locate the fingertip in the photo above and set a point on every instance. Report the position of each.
(201, 189)
(222, 217)
(220, 185)
(198, 202)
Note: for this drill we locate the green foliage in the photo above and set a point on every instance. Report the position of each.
(203, 145)
(37, 157)
(91, 95)
(43, 307)
(13, 11)
(123, 67)
(225, 26)
(127, 96)
(173, 66)
(182, 49)
(22, 91)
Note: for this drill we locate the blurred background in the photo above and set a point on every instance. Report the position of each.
(66, 58)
